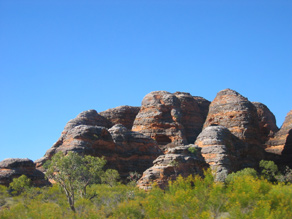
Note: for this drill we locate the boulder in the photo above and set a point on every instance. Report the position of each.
(181, 160)
(124, 115)
(15, 167)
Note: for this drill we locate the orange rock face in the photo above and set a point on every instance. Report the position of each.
(124, 150)
(281, 142)
(171, 119)
(235, 112)
(124, 115)
(160, 119)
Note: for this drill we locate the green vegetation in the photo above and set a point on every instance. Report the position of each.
(245, 194)
(74, 173)
(192, 150)
(20, 184)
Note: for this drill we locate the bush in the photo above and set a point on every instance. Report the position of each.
(20, 184)
(242, 173)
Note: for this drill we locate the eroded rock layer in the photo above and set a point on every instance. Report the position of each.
(124, 115)
(221, 150)
(193, 114)
(181, 160)
(235, 112)
(124, 150)
(281, 142)
(160, 119)
(171, 119)
(12, 168)
(267, 121)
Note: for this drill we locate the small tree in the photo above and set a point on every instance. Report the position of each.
(20, 184)
(75, 173)
(269, 170)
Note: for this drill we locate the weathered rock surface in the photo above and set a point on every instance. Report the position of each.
(124, 115)
(235, 112)
(124, 150)
(171, 119)
(222, 150)
(267, 121)
(14, 167)
(281, 142)
(134, 152)
(194, 111)
(203, 105)
(180, 160)
(160, 119)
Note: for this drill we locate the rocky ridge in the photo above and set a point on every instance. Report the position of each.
(228, 134)
(124, 150)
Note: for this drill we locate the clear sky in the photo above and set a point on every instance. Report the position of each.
(59, 58)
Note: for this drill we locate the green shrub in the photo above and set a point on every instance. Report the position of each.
(20, 184)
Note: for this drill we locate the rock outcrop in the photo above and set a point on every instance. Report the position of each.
(12, 168)
(124, 150)
(124, 115)
(281, 142)
(235, 112)
(181, 160)
(134, 152)
(267, 121)
(171, 119)
(222, 150)
(193, 114)
(160, 119)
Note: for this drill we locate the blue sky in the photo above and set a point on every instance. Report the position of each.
(59, 58)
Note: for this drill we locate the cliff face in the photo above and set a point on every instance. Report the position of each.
(124, 150)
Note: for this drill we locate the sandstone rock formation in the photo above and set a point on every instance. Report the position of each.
(160, 119)
(267, 121)
(134, 152)
(171, 119)
(281, 142)
(235, 112)
(124, 115)
(221, 150)
(124, 150)
(194, 111)
(181, 160)
(12, 168)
